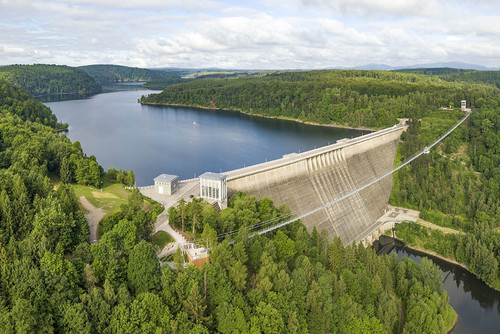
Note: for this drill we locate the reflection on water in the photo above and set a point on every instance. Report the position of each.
(477, 305)
(62, 97)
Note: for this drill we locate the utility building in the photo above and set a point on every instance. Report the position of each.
(166, 184)
(213, 186)
(196, 256)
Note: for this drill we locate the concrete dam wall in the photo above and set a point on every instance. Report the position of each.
(311, 179)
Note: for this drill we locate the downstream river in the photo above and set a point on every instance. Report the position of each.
(477, 305)
(152, 140)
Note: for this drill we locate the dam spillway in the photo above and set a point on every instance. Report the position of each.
(311, 179)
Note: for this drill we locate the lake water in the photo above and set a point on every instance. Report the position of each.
(477, 305)
(152, 140)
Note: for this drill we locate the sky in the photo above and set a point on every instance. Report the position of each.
(253, 34)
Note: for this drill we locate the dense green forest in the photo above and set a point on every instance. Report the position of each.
(453, 74)
(478, 249)
(458, 185)
(53, 281)
(183, 77)
(39, 80)
(105, 74)
(343, 97)
(161, 84)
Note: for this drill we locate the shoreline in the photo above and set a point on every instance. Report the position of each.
(432, 254)
(70, 93)
(443, 258)
(332, 125)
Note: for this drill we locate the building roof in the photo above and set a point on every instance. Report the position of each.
(213, 176)
(197, 253)
(166, 178)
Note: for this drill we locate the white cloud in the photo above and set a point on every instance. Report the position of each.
(271, 34)
(364, 8)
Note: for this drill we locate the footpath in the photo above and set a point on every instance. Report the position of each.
(437, 227)
(163, 225)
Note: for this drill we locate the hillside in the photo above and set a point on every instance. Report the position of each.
(457, 75)
(15, 101)
(343, 97)
(54, 281)
(105, 74)
(40, 80)
(160, 84)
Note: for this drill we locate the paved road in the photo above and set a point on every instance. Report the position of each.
(163, 225)
(437, 227)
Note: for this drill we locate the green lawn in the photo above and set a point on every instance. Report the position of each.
(162, 238)
(112, 196)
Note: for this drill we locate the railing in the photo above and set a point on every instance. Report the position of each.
(142, 187)
(264, 166)
(189, 180)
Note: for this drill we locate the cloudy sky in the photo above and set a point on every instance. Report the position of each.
(249, 34)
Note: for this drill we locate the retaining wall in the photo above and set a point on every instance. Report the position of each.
(308, 180)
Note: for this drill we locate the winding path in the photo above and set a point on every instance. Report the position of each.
(437, 227)
(163, 225)
(93, 216)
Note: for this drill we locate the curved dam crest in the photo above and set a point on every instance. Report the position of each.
(308, 180)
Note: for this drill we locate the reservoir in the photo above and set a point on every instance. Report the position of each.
(152, 140)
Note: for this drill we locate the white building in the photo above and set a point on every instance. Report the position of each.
(213, 186)
(166, 184)
(463, 104)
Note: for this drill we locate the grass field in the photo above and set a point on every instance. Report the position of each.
(112, 196)
(162, 238)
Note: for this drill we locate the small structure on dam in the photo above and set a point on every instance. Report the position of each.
(166, 184)
(213, 187)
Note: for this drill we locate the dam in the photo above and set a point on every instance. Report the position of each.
(307, 180)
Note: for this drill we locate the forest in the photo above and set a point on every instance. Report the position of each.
(453, 74)
(458, 186)
(52, 280)
(42, 80)
(353, 98)
(106, 74)
(161, 84)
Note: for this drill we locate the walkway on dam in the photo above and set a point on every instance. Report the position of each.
(294, 157)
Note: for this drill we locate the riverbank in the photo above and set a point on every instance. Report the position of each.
(433, 254)
(332, 125)
(441, 257)
(68, 93)
(452, 319)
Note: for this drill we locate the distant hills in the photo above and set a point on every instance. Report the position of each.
(456, 65)
(105, 74)
(40, 80)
